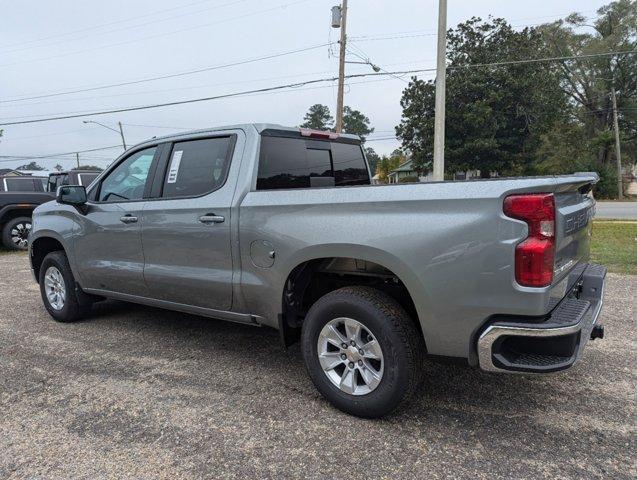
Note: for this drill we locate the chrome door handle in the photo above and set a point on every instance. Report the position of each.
(128, 219)
(210, 218)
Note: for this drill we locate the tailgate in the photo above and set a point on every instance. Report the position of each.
(574, 211)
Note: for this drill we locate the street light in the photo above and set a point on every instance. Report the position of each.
(120, 131)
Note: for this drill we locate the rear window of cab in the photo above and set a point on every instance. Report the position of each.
(286, 163)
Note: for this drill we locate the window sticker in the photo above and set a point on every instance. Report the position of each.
(174, 166)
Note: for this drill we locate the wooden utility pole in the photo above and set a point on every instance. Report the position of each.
(441, 73)
(121, 132)
(341, 69)
(77, 158)
(618, 152)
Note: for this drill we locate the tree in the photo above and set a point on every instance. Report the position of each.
(588, 83)
(318, 117)
(58, 168)
(387, 164)
(372, 158)
(30, 166)
(356, 123)
(496, 115)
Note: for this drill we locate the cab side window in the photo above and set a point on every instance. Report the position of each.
(197, 167)
(128, 180)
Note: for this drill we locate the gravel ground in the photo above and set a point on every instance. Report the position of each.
(136, 392)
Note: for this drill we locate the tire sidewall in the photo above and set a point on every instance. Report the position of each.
(69, 311)
(6, 233)
(394, 383)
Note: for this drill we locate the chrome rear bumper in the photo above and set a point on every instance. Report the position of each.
(547, 344)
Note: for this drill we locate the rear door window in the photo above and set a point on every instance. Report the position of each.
(300, 163)
(20, 185)
(197, 167)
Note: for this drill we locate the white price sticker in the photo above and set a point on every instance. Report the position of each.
(174, 166)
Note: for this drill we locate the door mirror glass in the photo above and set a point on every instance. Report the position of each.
(71, 195)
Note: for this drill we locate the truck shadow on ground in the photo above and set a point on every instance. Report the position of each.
(450, 393)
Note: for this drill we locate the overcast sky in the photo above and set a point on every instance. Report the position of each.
(53, 47)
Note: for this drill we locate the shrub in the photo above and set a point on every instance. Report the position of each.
(409, 179)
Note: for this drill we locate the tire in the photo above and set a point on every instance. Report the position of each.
(15, 233)
(394, 380)
(75, 302)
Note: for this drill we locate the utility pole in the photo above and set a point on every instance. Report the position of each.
(441, 73)
(341, 69)
(618, 153)
(121, 132)
(77, 158)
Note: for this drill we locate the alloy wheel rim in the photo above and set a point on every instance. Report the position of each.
(20, 234)
(350, 356)
(55, 288)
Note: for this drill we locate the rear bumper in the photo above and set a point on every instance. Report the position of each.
(551, 343)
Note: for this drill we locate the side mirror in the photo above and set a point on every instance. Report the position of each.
(71, 195)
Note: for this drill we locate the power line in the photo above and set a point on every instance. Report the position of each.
(301, 84)
(171, 75)
(431, 33)
(115, 22)
(151, 22)
(159, 35)
(36, 157)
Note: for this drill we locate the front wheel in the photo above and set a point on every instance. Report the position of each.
(15, 234)
(362, 351)
(61, 295)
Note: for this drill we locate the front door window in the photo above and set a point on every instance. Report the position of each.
(128, 180)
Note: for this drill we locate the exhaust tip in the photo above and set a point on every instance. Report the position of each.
(597, 332)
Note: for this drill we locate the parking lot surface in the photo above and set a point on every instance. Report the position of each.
(136, 392)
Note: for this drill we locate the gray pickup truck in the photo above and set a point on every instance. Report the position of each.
(280, 227)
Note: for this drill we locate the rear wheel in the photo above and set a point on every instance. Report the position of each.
(362, 351)
(15, 234)
(61, 295)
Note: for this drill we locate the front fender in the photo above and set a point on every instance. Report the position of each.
(59, 223)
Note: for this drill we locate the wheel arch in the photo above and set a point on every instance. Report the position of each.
(363, 263)
(10, 212)
(40, 247)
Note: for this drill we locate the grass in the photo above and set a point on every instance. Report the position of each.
(614, 244)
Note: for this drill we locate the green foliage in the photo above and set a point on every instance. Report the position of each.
(409, 179)
(495, 116)
(533, 118)
(356, 123)
(587, 84)
(30, 166)
(318, 117)
(387, 164)
(372, 158)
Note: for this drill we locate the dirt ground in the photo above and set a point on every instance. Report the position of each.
(136, 392)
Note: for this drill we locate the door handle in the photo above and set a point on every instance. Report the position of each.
(211, 218)
(128, 218)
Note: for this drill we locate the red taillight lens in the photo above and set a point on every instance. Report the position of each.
(534, 257)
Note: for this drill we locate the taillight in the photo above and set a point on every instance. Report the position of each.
(534, 257)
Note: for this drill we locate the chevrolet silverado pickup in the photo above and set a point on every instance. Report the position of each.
(280, 227)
